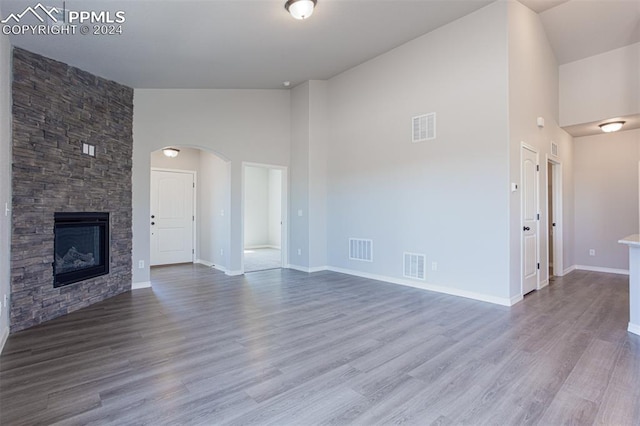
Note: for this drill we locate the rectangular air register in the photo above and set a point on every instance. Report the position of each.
(361, 249)
(424, 127)
(554, 149)
(414, 266)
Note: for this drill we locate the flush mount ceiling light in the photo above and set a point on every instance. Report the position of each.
(613, 126)
(300, 9)
(171, 152)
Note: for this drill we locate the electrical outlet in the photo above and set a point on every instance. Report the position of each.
(592, 252)
(221, 212)
(299, 252)
(434, 266)
(300, 212)
(141, 264)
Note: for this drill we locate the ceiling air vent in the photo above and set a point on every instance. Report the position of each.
(554, 149)
(414, 265)
(361, 249)
(424, 127)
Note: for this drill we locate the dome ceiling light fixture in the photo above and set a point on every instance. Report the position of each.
(171, 152)
(612, 126)
(300, 9)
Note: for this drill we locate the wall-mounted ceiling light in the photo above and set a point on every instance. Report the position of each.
(613, 126)
(300, 9)
(171, 152)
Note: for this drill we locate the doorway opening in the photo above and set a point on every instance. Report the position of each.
(190, 194)
(554, 218)
(264, 194)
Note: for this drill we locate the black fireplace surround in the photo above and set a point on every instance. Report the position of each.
(81, 247)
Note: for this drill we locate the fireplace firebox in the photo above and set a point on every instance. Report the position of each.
(81, 247)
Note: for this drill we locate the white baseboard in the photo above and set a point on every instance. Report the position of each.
(308, 270)
(516, 299)
(204, 262)
(143, 284)
(262, 247)
(543, 284)
(569, 270)
(3, 338)
(430, 287)
(634, 328)
(232, 273)
(600, 269)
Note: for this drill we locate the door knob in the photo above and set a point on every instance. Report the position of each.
(526, 228)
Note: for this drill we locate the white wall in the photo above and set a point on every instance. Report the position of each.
(5, 181)
(601, 86)
(606, 203)
(299, 178)
(237, 125)
(318, 142)
(446, 198)
(256, 207)
(262, 207)
(187, 159)
(533, 92)
(214, 200)
(275, 208)
(310, 132)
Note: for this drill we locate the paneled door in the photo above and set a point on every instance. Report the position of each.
(172, 217)
(530, 218)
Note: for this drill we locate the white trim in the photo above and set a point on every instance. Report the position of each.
(543, 284)
(265, 246)
(515, 299)
(601, 269)
(204, 262)
(308, 270)
(231, 273)
(430, 287)
(139, 285)
(558, 214)
(569, 270)
(634, 328)
(3, 338)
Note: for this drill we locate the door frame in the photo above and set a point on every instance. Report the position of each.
(556, 193)
(194, 175)
(523, 146)
(284, 212)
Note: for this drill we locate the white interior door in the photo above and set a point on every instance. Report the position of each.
(530, 217)
(172, 217)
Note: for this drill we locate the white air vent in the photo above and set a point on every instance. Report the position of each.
(424, 127)
(554, 149)
(361, 249)
(414, 265)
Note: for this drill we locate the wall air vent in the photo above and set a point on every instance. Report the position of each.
(361, 249)
(414, 266)
(424, 127)
(554, 149)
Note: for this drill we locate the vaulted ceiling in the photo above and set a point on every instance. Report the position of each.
(256, 44)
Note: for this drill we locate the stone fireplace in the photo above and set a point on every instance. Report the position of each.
(72, 157)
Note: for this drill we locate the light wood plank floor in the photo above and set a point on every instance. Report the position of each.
(283, 347)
